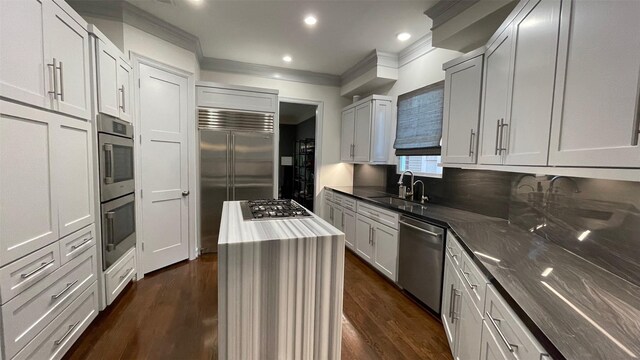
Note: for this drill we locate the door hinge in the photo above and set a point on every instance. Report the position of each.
(138, 82)
(141, 193)
(140, 139)
(142, 246)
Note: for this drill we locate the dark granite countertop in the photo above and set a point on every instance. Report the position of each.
(577, 311)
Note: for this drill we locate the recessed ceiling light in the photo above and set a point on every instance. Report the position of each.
(310, 20)
(287, 58)
(404, 36)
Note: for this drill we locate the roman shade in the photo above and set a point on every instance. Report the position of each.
(419, 125)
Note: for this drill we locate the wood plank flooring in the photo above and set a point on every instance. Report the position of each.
(172, 314)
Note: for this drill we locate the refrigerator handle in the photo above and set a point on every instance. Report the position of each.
(233, 165)
(228, 164)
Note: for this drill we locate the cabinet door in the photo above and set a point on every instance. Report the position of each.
(29, 213)
(381, 132)
(595, 115)
(463, 86)
(22, 68)
(490, 349)
(74, 175)
(347, 134)
(362, 138)
(495, 98)
(67, 42)
(125, 80)
(535, 36)
(349, 228)
(338, 220)
(469, 328)
(385, 249)
(450, 291)
(108, 95)
(327, 210)
(364, 247)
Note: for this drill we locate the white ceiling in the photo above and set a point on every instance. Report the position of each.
(262, 32)
(293, 114)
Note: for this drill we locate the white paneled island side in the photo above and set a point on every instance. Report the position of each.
(280, 287)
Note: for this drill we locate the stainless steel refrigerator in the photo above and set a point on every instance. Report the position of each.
(236, 163)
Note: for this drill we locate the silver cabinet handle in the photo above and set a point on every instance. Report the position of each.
(373, 236)
(510, 346)
(502, 136)
(420, 229)
(185, 193)
(453, 313)
(464, 275)
(126, 274)
(53, 67)
(109, 217)
(451, 252)
(451, 303)
(81, 244)
(71, 327)
(498, 135)
(38, 269)
(122, 106)
(61, 93)
(342, 221)
(473, 134)
(108, 162)
(370, 229)
(66, 288)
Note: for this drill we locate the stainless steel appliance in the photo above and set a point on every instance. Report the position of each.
(115, 142)
(272, 209)
(236, 163)
(421, 261)
(118, 228)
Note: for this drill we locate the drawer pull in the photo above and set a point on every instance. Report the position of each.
(69, 286)
(126, 274)
(510, 346)
(451, 303)
(464, 275)
(80, 245)
(71, 327)
(453, 312)
(38, 269)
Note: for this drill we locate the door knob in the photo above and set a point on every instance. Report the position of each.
(185, 193)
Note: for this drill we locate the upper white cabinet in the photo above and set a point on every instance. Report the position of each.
(366, 131)
(461, 113)
(595, 114)
(44, 57)
(115, 80)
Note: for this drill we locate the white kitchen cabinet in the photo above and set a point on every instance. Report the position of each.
(29, 211)
(22, 68)
(595, 110)
(461, 113)
(366, 131)
(451, 291)
(74, 175)
(496, 93)
(364, 246)
(490, 348)
(67, 47)
(125, 89)
(349, 228)
(338, 220)
(385, 250)
(469, 328)
(107, 73)
(535, 39)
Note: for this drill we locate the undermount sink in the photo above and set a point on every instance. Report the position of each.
(401, 203)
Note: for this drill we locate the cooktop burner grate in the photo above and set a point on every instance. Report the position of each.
(272, 209)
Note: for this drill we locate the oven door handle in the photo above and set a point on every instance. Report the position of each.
(110, 246)
(108, 163)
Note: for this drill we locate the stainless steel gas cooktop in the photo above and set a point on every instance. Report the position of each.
(272, 209)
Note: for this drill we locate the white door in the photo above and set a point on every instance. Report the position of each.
(327, 209)
(22, 69)
(125, 80)
(364, 247)
(68, 43)
(449, 295)
(495, 98)
(349, 228)
(29, 213)
(362, 138)
(595, 116)
(385, 249)
(380, 129)
(338, 218)
(346, 140)
(463, 86)
(469, 329)
(107, 59)
(535, 36)
(163, 163)
(74, 175)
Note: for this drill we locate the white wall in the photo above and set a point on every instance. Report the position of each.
(331, 171)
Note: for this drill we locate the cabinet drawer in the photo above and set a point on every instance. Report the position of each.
(490, 348)
(474, 281)
(347, 202)
(381, 215)
(328, 195)
(119, 275)
(454, 249)
(77, 243)
(22, 274)
(30, 312)
(54, 341)
(508, 329)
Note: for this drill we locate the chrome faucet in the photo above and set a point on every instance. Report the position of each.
(424, 196)
(402, 190)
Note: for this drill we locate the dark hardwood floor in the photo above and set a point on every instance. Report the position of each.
(172, 314)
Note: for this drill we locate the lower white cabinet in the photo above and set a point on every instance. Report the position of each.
(385, 250)
(364, 246)
(349, 228)
(451, 291)
(490, 348)
(119, 275)
(470, 326)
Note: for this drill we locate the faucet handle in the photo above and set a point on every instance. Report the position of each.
(402, 191)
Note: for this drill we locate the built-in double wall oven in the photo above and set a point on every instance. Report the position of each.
(115, 142)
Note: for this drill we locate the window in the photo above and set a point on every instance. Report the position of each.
(420, 165)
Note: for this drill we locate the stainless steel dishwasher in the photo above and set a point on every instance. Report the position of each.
(421, 260)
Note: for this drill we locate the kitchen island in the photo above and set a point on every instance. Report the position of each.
(280, 287)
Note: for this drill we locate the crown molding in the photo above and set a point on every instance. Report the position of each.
(375, 58)
(419, 48)
(445, 10)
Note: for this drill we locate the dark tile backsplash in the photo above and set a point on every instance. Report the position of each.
(598, 220)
